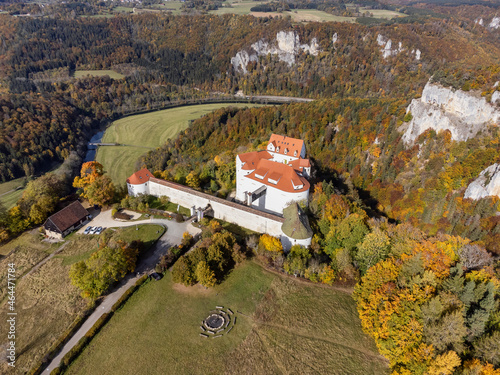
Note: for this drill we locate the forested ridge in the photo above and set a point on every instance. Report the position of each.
(171, 58)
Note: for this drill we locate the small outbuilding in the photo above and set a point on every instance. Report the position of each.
(65, 221)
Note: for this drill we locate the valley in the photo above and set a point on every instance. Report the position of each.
(375, 196)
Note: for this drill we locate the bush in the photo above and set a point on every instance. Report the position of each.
(183, 272)
(179, 218)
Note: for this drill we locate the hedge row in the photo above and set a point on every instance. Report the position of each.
(128, 293)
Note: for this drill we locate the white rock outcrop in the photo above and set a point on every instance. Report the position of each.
(441, 108)
(241, 60)
(387, 49)
(335, 38)
(487, 184)
(479, 21)
(495, 23)
(495, 97)
(286, 47)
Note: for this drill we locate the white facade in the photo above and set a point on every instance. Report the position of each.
(135, 190)
(281, 169)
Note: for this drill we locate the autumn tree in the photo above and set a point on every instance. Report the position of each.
(182, 271)
(205, 275)
(96, 187)
(105, 266)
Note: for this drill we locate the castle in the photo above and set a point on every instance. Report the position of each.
(269, 184)
(272, 179)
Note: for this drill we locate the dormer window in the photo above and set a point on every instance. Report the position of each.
(295, 153)
(278, 149)
(286, 151)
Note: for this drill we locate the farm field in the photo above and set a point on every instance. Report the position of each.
(9, 194)
(282, 326)
(47, 292)
(98, 73)
(299, 15)
(139, 133)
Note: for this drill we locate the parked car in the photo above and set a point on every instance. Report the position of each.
(99, 230)
(93, 230)
(156, 276)
(87, 230)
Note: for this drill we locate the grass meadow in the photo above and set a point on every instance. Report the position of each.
(11, 191)
(283, 326)
(139, 133)
(46, 302)
(98, 73)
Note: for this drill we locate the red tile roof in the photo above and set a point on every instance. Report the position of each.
(250, 159)
(286, 143)
(289, 176)
(140, 177)
(299, 164)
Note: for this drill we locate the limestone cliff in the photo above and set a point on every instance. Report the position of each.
(388, 49)
(463, 114)
(286, 46)
(487, 184)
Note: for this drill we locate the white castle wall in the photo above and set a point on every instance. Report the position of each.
(246, 217)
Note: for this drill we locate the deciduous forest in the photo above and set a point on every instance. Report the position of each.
(388, 217)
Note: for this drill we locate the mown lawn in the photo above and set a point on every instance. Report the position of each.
(283, 326)
(46, 302)
(140, 133)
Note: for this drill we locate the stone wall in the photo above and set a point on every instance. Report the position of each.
(241, 215)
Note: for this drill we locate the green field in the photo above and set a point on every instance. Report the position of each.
(283, 326)
(299, 15)
(140, 133)
(98, 73)
(46, 302)
(9, 192)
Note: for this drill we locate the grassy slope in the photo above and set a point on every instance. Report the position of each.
(140, 133)
(288, 327)
(46, 302)
(8, 195)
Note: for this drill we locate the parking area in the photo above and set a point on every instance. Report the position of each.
(103, 219)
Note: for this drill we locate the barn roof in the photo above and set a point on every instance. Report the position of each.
(66, 218)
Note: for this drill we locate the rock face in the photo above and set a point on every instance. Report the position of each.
(495, 97)
(440, 108)
(286, 47)
(487, 184)
(495, 23)
(387, 49)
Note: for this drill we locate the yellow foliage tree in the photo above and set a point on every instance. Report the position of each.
(444, 364)
(270, 243)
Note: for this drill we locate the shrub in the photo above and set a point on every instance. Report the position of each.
(183, 272)
(179, 218)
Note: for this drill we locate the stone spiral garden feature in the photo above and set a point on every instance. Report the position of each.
(218, 322)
